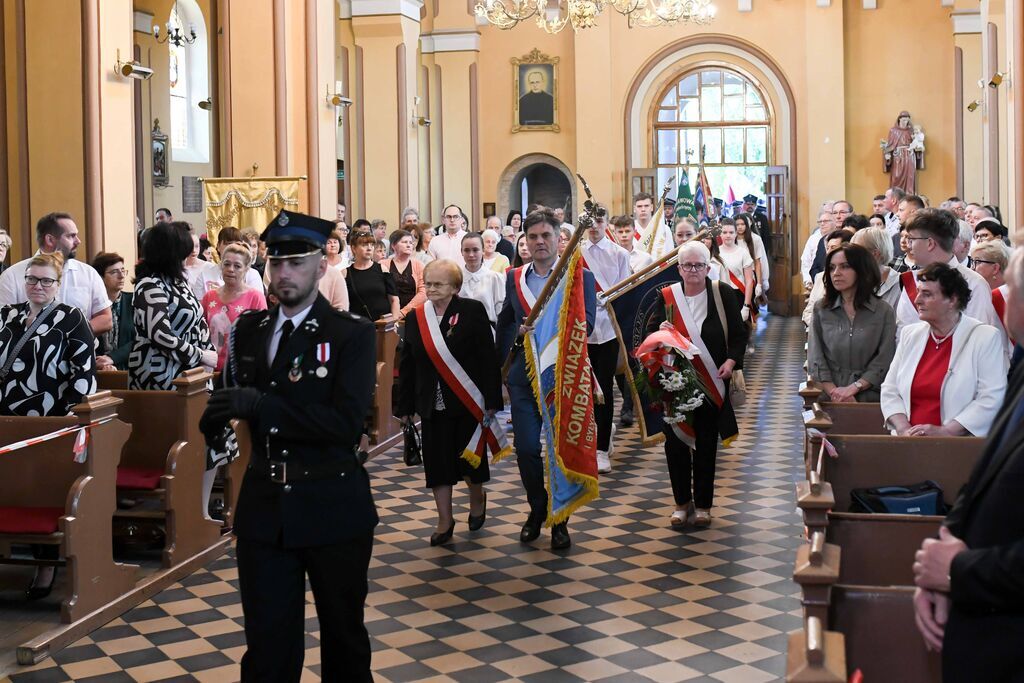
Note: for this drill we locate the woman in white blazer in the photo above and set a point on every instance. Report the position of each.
(949, 373)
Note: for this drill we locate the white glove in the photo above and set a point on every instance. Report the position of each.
(757, 290)
(745, 313)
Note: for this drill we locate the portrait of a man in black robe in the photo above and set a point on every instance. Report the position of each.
(536, 104)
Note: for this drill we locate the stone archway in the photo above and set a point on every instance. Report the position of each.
(515, 171)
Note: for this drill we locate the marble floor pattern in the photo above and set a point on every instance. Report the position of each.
(632, 600)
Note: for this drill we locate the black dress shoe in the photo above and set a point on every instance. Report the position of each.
(35, 592)
(626, 418)
(477, 521)
(444, 537)
(560, 537)
(531, 530)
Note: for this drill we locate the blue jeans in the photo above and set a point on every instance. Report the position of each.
(526, 428)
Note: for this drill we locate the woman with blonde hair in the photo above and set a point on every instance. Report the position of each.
(879, 244)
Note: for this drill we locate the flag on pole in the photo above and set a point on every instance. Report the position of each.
(704, 199)
(559, 370)
(730, 196)
(684, 205)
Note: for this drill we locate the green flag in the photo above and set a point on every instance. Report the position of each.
(684, 199)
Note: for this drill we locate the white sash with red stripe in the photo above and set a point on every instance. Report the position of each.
(705, 363)
(526, 297)
(460, 383)
(597, 279)
(999, 303)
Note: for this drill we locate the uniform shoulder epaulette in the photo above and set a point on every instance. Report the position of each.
(348, 315)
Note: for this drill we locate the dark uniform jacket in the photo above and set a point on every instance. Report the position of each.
(720, 347)
(312, 421)
(986, 623)
(470, 341)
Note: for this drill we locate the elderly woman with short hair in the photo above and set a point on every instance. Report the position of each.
(852, 336)
(989, 260)
(499, 263)
(949, 373)
(692, 307)
(448, 341)
(878, 242)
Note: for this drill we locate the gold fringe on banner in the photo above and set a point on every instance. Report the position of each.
(247, 202)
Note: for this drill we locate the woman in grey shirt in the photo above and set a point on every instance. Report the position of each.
(852, 337)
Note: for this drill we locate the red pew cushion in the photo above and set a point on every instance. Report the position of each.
(138, 478)
(27, 520)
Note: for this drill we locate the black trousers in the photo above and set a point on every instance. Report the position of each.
(693, 471)
(604, 358)
(627, 393)
(272, 583)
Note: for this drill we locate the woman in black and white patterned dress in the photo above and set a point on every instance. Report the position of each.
(56, 367)
(171, 335)
(48, 371)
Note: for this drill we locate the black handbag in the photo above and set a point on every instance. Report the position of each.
(924, 498)
(413, 452)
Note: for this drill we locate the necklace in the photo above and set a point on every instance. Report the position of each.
(940, 341)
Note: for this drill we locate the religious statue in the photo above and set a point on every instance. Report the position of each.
(903, 153)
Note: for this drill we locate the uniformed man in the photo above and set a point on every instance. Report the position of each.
(302, 375)
(761, 225)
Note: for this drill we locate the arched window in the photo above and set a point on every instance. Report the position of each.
(189, 84)
(724, 113)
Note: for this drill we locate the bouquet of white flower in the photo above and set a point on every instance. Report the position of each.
(669, 377)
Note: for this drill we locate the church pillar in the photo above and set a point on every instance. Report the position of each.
(825, 118)
(595, 154)
(385, 71)
(455, 56)
(320, 121)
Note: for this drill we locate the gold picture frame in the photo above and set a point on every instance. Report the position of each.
(535, 92)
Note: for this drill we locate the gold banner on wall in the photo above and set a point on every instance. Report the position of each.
(247, 202)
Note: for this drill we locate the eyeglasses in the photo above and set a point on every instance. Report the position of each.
(917, 238)
(32, 281)
(978, 260)
(117, 271)
(453, 217)
(693, 267)
(436, 285)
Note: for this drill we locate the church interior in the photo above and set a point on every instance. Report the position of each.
(114, 110)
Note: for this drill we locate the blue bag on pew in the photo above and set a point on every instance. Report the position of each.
(924, 498)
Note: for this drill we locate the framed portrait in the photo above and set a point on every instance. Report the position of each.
(161, 175)
(535, 92)
(490, 209)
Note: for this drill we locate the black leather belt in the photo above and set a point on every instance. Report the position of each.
(289, 472)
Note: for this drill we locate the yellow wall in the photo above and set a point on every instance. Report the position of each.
(877, 90)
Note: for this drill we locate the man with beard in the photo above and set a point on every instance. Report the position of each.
(80, 284)
(302, 375)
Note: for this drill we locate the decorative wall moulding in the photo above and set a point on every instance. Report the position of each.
(142, 22)
(366, 8)
(454, 41)
(966, 21)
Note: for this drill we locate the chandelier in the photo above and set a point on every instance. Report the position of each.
(554, 15)
(175, 35)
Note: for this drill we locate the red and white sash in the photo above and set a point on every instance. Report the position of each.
(908, 279)
(999, 303)
(460, 383)
(597, 280)
(526, 297)
(684, 322)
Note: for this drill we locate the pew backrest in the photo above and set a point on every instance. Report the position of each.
(878, 550)
(870, 461)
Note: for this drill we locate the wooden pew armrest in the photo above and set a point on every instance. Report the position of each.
(815, 655)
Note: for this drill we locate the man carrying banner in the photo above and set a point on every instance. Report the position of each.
(708, 315)
(610, 265)
(533, 383)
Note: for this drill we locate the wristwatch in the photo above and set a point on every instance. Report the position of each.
(861, 384)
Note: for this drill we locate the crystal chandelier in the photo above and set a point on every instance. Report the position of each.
(554, 15)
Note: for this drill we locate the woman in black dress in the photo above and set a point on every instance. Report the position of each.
(371, 291)
(47, 365)
(448, 426)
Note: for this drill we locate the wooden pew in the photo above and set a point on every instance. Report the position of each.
(876, 630)
(811, 392)
(112, 380)
(165, 458)
(56, 501)
(383, 424)
(868, 461)
(838, 418)
(856, 549)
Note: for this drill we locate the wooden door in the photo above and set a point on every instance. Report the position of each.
(641, 180)
(781, 221)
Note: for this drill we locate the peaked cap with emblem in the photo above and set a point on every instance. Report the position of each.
(293, 234)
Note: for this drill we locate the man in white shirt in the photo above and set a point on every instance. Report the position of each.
(622, 226)
(208, 275)
(482, 284)
(448, 244)
(893, 197)
(931, 233)
(643, 212)
(610, 265)
(811, 247)
(80, 286)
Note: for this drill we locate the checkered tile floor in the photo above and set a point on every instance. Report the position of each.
(632, 600)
